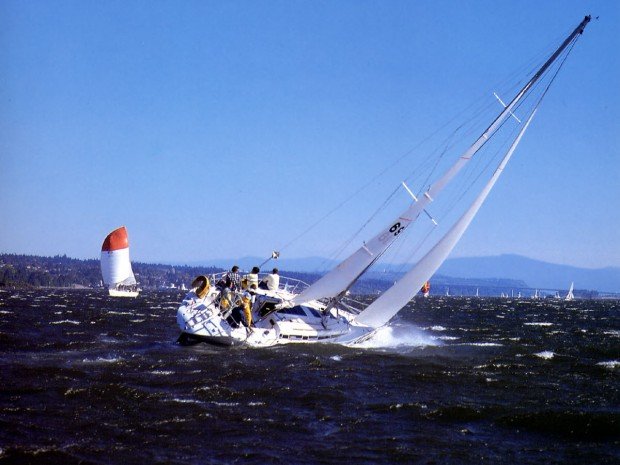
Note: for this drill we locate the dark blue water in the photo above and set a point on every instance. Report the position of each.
(90, 379)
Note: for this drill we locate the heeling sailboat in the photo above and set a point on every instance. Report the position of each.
(319, 313)
(570, 296)
(116, 265)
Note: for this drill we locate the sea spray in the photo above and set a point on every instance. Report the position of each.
(399, 336)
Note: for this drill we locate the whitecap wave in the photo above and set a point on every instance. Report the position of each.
(65, 322)
(103, 360)
(186, 401)
(481, 344)
(162, 372)
(398, 337)
(611, 364)
(536, 323)
(545, 354)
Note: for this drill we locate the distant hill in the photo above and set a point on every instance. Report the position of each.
(536, 273)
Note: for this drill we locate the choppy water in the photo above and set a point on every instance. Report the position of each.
(90, 379)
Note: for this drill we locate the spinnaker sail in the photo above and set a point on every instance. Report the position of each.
(115, 263)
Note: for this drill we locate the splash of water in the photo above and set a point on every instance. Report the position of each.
(399, 336)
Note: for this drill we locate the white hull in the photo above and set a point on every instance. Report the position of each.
(120, 293)
(203, 320)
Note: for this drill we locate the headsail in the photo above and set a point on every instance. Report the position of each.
(115, 263)
(391, 301)
(347, 272)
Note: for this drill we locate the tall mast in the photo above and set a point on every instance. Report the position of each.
(335, 283)
(505, 112)
(391, 301)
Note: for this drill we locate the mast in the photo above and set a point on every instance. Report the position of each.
(335, 283)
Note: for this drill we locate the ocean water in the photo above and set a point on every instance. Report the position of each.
(93, 380)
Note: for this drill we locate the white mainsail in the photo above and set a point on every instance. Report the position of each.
(348, 271)
(570, 295)
(391, 301)
(115, 263)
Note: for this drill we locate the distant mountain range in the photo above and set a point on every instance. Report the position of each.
(535, 273)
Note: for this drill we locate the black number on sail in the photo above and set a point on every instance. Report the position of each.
(396, 229)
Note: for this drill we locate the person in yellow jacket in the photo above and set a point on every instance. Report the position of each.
(242, 313)
(225, 301)
(246, 301)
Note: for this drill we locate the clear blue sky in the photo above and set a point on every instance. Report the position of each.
(224, 129)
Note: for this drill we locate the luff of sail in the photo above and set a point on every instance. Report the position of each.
(391, 301)
(115, 262)
(348, 271)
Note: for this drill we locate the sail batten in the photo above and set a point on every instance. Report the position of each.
(391, 301)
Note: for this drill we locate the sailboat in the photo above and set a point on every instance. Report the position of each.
(323, 312)
(570, 296)
(426, 289)
(116, 266)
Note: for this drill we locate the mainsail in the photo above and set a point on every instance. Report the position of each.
(391, 301)
(115, 263)
(570, 295)
(348, 271)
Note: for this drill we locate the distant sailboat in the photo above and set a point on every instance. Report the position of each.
(116, 266)
(570, 296)
(426, 289)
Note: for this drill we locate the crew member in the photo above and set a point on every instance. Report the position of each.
(271, 281)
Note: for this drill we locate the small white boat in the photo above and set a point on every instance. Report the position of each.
(570, 296)
(116, 265)
(322, 311)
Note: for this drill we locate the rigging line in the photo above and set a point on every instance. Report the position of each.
(372, 216)
(398, 160)
(415, 250)
(538, 103)
(372, 180)
(522, 102)
(477, 115)
(505, 143)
